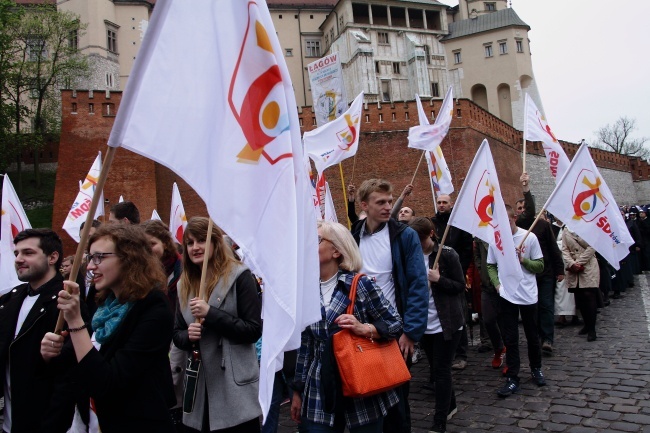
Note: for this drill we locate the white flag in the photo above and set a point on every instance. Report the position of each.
(233, 109)
(177, 218)
(439, 174)
(155, 216)
(121, 200)
(537, 129)
(583, 201)
(428, 137)
(79, 210)
(330, 210)
(337, 140)
(13, 221)
(480, 210)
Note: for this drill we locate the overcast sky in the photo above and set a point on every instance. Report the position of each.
(591, 60)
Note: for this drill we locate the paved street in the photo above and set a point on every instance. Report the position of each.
(592, 387)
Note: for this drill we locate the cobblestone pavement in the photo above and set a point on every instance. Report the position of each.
(602, 386)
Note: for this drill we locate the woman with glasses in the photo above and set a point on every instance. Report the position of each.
(373, 318)
(224, 325)
(125, 367)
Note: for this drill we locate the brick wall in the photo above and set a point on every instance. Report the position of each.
(383, 152)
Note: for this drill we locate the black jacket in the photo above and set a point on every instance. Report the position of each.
(448, 292)
(129, 378)
(458, 239)
(42, 398)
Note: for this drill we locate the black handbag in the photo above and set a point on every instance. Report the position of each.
(191, 380)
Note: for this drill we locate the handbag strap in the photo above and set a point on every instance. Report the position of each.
(353, 293)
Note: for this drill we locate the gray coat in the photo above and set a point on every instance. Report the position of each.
(229, 368)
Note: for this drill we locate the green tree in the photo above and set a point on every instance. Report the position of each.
(617, 138)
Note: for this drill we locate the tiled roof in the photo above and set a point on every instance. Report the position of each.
(317, 4)
(483, 23)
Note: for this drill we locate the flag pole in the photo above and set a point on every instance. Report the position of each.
(523, 156)
(354, 165)
(85, 232)
(345, 196)
(531, 227)
(418, 167)
(440, 245)
(206, 257)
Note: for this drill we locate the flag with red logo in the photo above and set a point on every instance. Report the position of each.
(177, 218)
(582, 200)
(337, 140)
(480, 210)
(439, 174)
(13, 221)
(210, 97)
(79, 209)
(428, 137)
(538, 129)
(155, 215)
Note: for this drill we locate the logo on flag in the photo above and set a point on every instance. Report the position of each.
(348, 136)
(256, 96)
(484, 201)
(545, 127)
(588, 202)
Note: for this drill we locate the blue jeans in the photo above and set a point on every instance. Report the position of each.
(546, 307)
(307, 426)
(273, 417)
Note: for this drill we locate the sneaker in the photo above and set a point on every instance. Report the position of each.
(453, 410)
(591, 336)
(511, 386)
(499, 357)
(438, 428)
(459, 364)
(417, 354)
(538, 376)
(547, 347)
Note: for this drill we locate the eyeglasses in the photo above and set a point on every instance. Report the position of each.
(321, 239)
(97, 257)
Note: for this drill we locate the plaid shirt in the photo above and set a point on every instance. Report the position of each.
(370, 307)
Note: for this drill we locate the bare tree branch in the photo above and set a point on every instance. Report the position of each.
(616, 138)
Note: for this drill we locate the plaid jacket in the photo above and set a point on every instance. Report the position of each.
(370, 307)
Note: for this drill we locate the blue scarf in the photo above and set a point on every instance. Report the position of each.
(108, 317)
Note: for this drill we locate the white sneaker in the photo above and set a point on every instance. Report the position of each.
(417, 354)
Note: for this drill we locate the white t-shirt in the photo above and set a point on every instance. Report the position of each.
(526, 292)
(433, 322)
(378, 260)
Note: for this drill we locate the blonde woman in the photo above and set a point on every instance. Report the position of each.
(229, 324)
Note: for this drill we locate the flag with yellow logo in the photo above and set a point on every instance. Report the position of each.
(428, 137)
(480, 210)
(210, 97)
(13, 221)
(81, 205)
(582, 200)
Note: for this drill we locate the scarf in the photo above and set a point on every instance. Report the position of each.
(108, 318)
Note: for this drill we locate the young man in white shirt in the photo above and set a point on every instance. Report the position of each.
(519, 300)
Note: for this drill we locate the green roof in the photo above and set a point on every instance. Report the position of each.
(484, 23)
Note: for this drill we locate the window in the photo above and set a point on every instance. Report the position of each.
(327, 40)
(288, 52)
(382, 38)
(312, 48)
(36, 49)
(385, 91)
(111, 40)
(109, 80)
(74, 107)
(108, 109)
(396, 68)
(490, 6)
(332, 34)
(488, 51)
(377, 67)
(427, 54)
(503, 48)
(457, 57)
(435, 90)
(73, 39)
(520, 46)
(91, 108)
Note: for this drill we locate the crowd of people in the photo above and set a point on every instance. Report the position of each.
(157, 340)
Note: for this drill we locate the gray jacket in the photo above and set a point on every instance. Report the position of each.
(229, 369)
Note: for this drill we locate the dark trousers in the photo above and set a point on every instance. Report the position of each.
(490, 307)
(440, 353)
(546, 307)
(463, 345)
(398, 418)
(273, 417)
(510, 332)
(587, 302)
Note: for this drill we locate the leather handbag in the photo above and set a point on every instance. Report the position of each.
(367, 367)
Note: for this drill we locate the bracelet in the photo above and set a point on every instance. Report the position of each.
(84, 326)
(370, 327)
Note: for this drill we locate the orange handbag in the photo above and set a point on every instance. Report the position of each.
(367, 367)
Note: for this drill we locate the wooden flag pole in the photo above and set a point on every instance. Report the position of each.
(523, 156)
(418, 167)
(206, 258)
(531, 227)
(354, 165)
(345, 195)
(85, 232)
(440, 245)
